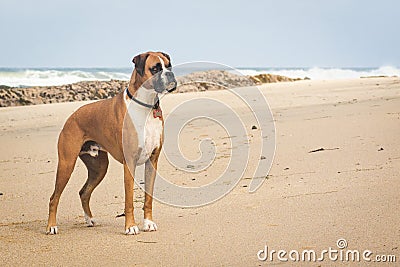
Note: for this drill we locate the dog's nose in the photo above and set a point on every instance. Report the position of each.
(171, 81)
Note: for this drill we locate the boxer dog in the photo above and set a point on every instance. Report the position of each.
(129, 126)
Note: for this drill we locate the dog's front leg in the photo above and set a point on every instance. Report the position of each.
(130, 225)
(150, 175)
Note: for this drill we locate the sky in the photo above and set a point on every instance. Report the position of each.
(269, 33)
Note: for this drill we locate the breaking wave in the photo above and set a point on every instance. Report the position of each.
(327, 73)
(48, 77)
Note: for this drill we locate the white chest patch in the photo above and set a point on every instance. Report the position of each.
(148, 128)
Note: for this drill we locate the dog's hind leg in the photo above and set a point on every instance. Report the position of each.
(97, 169)
(67, 154)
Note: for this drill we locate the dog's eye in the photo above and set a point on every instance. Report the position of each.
(155, 69)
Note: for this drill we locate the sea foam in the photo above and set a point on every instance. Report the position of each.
(49, 77)
(327, 73)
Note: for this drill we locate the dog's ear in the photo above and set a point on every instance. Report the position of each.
(167, 56)
(140, 63)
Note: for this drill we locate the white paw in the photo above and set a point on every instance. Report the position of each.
(53, 231)
(89, 221)
(134, 230)
(149, 226)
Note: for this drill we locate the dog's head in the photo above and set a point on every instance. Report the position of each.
(154, 71)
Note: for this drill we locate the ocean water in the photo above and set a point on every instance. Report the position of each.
(21, 77)
(327, 73)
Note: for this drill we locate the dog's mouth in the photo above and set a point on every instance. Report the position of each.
(164, 81)
(171, 87)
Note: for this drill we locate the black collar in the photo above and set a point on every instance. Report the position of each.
(155, 106)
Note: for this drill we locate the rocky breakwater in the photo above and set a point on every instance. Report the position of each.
(212, 80)
(94, 90)
(13, 96)
(272, 78)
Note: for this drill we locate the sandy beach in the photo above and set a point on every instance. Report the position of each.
(347, 188)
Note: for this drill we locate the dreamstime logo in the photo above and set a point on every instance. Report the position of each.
(250, 147)
(341, 253)
(341, 243)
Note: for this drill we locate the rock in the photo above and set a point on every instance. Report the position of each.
(101, 93)
(272, 78)
(95, 90)
(211, 80)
